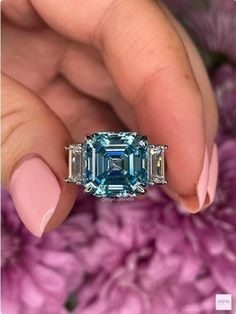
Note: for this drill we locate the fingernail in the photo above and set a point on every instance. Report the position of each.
(213, 175)
(35, 192)
(196, 202)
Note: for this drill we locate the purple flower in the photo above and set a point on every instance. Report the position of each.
(140, 257)
(224, 82)
(148, 257)
(37, 274)
(226, 196)
(216, 30)
(212, 22)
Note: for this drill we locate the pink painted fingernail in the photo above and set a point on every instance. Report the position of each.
(196, 202)
(35, 192)
(213, 175)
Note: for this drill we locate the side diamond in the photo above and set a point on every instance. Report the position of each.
(75, 164)
(156, 164)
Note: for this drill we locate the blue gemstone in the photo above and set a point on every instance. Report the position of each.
(115, 164)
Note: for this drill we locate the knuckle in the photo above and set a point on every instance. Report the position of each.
(12, 121)
(13, 139)
(152, 85)
(111, 10)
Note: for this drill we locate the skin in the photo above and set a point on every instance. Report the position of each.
(77, 67)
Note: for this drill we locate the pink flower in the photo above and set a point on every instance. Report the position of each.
(216, 30)
(224, 81)
(211, 21)
(37, 274)
(142, 257)
(148, 257)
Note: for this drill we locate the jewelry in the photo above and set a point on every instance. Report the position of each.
(111, 164)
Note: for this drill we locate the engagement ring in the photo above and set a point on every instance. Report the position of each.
(111, 164)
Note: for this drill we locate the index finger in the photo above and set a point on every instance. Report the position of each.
(150, 66)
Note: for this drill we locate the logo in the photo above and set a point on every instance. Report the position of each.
(223, 302)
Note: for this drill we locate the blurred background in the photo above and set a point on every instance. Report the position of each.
(145, 256)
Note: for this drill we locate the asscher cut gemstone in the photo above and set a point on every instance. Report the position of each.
(115, 164)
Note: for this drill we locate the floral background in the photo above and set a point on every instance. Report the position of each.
(139, 257)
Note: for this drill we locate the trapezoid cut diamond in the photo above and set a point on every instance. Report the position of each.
(115, 164)
(76, 164)
(156, 168)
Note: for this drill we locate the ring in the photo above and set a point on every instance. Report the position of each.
(110, 164)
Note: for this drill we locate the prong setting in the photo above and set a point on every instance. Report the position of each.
(88, 190)
(67, 180)
(143, 140)
(88, 137)
(141, 189)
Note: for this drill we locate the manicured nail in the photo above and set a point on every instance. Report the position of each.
(196, 202)
(35, 192)
(213, 175)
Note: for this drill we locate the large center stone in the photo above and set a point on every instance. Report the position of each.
(115, 164)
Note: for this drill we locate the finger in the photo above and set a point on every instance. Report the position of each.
(150, 66)
(208, 97)
(31, 57)
(95, 79)
(83, 67)
(33, 160)
(210, 115)
(21, 46)
(21, 13)
(81, 114)
(91, 76)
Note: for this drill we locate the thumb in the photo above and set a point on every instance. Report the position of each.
(33, 158)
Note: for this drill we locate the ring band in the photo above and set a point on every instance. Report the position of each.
(111, 164)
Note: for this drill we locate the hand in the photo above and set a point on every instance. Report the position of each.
(77, 67)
